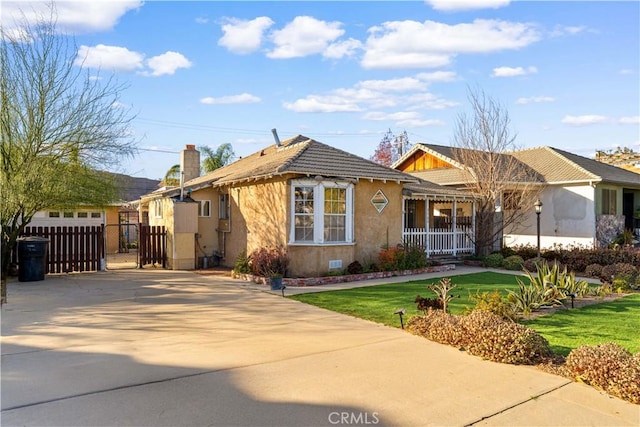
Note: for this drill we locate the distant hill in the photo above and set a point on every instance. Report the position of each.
(131, 188)
(624, 158)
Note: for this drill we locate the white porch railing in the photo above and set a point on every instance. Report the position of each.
(440, 241)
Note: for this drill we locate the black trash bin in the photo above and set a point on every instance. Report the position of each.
(32, 258)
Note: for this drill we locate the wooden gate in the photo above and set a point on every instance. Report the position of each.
(152, 247)
(70, 248)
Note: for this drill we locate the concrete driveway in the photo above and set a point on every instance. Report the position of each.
(166, 348)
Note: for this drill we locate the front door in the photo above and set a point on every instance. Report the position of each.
(627, 210)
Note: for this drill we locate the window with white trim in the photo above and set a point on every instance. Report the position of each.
(322, 212)
(157, 208)
(204, 208)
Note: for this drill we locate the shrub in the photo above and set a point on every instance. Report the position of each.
(493, 302)
(415, 257)
(483, 334)
(593, 270)
(506, 251)
(532, 263)
(242, 264)
(494, 260)
(389, 259)
(438, 326)
(269, 262)
(355, 268)
(424, 304)
(526, 252)
(609, 272)
(608, 367)
(514, 262)
(499, 340)
(402, 258)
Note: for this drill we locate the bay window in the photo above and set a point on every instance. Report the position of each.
(322, 212)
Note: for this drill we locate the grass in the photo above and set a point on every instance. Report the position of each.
(615, 321)
(378, 303)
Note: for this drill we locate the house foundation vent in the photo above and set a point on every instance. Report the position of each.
(335, 263)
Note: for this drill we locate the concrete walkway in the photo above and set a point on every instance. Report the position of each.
(154, 348)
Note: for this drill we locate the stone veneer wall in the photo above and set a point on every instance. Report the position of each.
(318, 281)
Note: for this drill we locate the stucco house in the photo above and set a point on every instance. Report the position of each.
(585, 202)
(327, 207)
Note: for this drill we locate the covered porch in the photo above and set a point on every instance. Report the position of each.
(442, 224)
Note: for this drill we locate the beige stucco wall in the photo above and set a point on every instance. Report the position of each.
(372, 231)
(207, 239)
(258, 218)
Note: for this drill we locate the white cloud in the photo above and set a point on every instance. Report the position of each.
(322, 104)
(455, 5)
(71, 16)
(304, 36)
(513, 71)
(428, 101)
(408, 92)
(438, 76)
(633, 120)
(400, 115)
(243, 98)
(109, 57)
(584, 120)
(202, 20)
(167, 63)
(413, 44)
(420, 123)
(535, 100)
(394, 85)
(342, 48)
(570, 30)
(116, 58)
(626, 72)
(242, 36)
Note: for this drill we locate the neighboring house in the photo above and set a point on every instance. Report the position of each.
(327, 207)
(585, 202)
(120, 218)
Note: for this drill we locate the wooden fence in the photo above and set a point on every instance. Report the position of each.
(70, 248)
(152, 247)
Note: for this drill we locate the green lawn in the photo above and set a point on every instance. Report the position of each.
(616, 321)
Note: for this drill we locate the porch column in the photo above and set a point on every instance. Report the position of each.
(473, 224)
(454, 225)
(426, 227)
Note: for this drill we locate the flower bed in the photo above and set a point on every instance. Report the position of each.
(318, 281)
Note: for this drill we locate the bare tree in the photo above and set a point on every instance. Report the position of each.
(58, 125)
(503, 186)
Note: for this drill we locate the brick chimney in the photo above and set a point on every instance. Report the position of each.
(190, 162)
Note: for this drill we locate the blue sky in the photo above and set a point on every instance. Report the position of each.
(212, 72)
